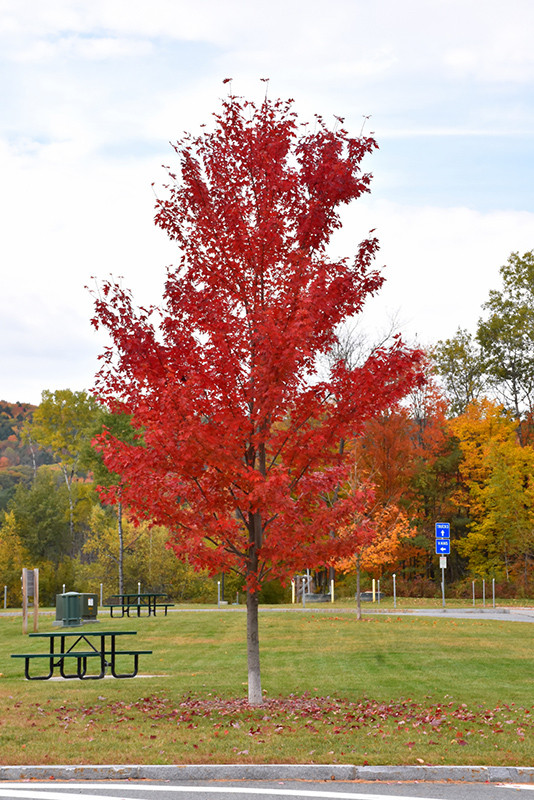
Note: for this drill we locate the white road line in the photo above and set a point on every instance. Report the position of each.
(33, 794)
(15, 791)
(516, 786)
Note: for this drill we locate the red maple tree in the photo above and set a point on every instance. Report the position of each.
(237, 441)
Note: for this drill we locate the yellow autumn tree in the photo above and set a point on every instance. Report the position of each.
(501, 544)
(483, 425)
(496, 489)
(13, 557)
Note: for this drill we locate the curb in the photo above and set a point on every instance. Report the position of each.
(270, 772)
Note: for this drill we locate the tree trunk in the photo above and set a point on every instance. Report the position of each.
(34, 461)
(121, 547)
(255, 696)
(68, 481)
(358, 598)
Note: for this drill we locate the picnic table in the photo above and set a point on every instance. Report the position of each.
(66, 647)
(139, 601)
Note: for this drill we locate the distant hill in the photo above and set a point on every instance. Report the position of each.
(16, 458)
(12, 418)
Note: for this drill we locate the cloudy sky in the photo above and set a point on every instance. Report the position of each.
(93, 91)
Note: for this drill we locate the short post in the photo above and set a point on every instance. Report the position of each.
(35, 600)
(332, 590)
(443, 586)
(5, 596)
(24, 601)
(101, 594)
(292, 591)
(63, 588)
(473, 593)
(30, 588)
(484, 592)
(218, 594)
(303, 584)
(493, 590)
(394, 590)
(378, 593)
(138, 592)
(374, 590)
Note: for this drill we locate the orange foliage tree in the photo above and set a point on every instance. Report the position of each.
(387, 530)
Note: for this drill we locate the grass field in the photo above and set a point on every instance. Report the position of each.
(389, 689)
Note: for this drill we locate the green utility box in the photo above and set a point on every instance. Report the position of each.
(89, 606)
(69, 609)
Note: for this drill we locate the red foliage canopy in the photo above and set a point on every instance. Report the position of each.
(236, 449)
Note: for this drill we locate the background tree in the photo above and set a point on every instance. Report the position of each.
(506, 336)
(506, 532)
(460, 364)
(481, 431)
(13, 557)
(18, 460)
(496, 489)
(352, 347)
(239, 446)
(387, 530)
(119, 425)
(63, 422)
(40, 517)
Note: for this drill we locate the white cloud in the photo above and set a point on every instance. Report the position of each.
(96, 48)
(94, 87)
(440, 262)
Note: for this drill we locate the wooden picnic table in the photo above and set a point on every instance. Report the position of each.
(67, 646)
(139, 601)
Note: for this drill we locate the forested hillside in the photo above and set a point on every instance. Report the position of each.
(18, 460)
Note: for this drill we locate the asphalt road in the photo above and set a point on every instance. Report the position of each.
(262, 790)
(503, 614)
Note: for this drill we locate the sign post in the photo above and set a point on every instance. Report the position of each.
(443, 548)
(30, 588)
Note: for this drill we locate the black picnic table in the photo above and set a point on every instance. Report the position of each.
(65, 646)
(138, 601)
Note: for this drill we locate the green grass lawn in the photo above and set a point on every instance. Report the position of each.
(389, 689)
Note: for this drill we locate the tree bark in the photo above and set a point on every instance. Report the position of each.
(255, 696)
(358, 596)
(121, 547)
(68, 481)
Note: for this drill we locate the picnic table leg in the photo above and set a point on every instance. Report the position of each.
(122, 674)
(61, 662)
(50, 667)
(38, 677)
(82, 668)
(62, 668)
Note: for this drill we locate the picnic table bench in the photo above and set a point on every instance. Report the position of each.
(139, 601)
(66, 647)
